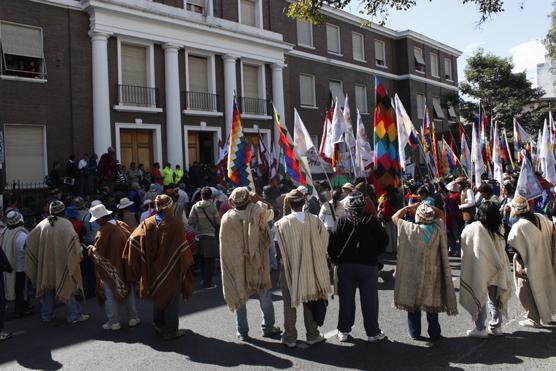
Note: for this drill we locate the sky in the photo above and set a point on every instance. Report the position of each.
(517, 32)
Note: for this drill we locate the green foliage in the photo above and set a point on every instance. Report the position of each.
(309, 10)
(489, 80)
(551, 36)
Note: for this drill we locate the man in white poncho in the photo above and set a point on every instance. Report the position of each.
(304, 277)
(531, 237)
(485, 271)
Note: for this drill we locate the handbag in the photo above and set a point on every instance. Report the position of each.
(208, 245)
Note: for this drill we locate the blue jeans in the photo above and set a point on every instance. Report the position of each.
(113, 308)
(493, 304)
(414, 324)
(267, 310)
(73, 308)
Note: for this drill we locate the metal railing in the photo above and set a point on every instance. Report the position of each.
(199, 101)
(253, 106)
(137, 95)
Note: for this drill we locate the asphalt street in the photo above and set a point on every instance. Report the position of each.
(210, 342)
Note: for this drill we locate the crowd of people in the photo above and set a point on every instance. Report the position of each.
(149, 237)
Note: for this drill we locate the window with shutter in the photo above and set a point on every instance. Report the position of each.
(421, 100)
(380, 53)
(22, 51)
(134, 65)
(358, 42)
(452, 112)
(197, 6)
(337, 90)
(448, 69)
(307, 90)
(24, 153)
(250, 81)
(198, 74)
(419, 60)
(249, 12)
(434, 65)
(438, 112)
(304, 33)
(333, 38)
(361, 98)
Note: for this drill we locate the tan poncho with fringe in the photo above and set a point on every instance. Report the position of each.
(303, 248)
(52, 257)
(244, 248)
(423, 274)
(484, 263)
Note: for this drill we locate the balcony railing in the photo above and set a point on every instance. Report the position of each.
(199, 101)
(254, 106)
(137, 96)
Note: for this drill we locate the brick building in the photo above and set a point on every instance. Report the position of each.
(155, 79)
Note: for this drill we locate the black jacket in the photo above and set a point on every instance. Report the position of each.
(368, 241)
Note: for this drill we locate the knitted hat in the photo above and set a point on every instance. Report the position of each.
(14, 218)
(348, 186)
(519, 205)
(424, 214)
(239, 197)
(356, 200)
(295, 196)
(56, 207)
(303, 190)
(163, 202)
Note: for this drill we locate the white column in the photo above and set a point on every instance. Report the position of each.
(278, 94)
(102, 138)
(230, 85)
(174, 143)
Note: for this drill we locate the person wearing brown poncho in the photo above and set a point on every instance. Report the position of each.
(423, 274)
(304, 277)
(106, 254)
(158, 257)
(52, 257)
(244, 257)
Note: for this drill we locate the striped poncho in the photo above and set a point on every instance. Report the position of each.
(303, 248)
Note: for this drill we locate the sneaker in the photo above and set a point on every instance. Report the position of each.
(377, 338)
(210, 287)
(81, 318)
(343, 336)
(179, 333)
(272, 332)
(5, 335)
(243, 337)
(319, 339)
(111, 326)
(133, 322)
(497, 331)
(529, 323)
(289, 344)
(479, 334)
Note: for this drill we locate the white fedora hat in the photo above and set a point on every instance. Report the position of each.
(98, 212)
(125, 203)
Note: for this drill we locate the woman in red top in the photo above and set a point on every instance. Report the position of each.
(387, 207)
(454, 218)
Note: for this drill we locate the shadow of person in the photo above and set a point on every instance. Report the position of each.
(388, 280)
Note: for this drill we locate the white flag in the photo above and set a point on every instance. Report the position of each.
(363, 151)
(349, 138)
(497, 158)
(301, 139)
(337, 125)
(405, 127)
(477, 156)
(465, 156)
(527, 184)
(547, 155)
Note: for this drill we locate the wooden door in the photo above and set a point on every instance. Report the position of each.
(193, 146)
(136, 146)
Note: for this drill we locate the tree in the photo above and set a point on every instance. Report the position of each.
(502, 93)
(309, 10)
(551, 36)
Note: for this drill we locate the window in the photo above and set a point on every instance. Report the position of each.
(22, 51)
(434, 65)
(380, 53)
(419, 60)
(361, 98)
(307, 90)
(200, 86)
(248, 12)
(333, 39)
(136, 78)
(25, 153)
(134, 65)
(437, 108)
(304, 34)
(337, 91)
(358, 42)
(452, 112)
(448, 69)
(253, 89)
(196, 6)
(421, 101)
(250, 81)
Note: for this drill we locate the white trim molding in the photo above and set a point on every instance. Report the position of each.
(202, 113)
(217, 136)
(124, 108)
(23, 79)
(255, 117)
(138, 125)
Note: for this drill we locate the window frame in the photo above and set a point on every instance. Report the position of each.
(313, 80)
(44, 141)
(211, 72)
(434, 56)
(343, 98)
(150, 78)
(258, 13)
(338, 32)
(438, 112)
(42, 77)
(418, 64)
(312, 46)
(366, 101)
(353, 34)
(206, 10)
(385, 65)
(421, 110)
(451, 76)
